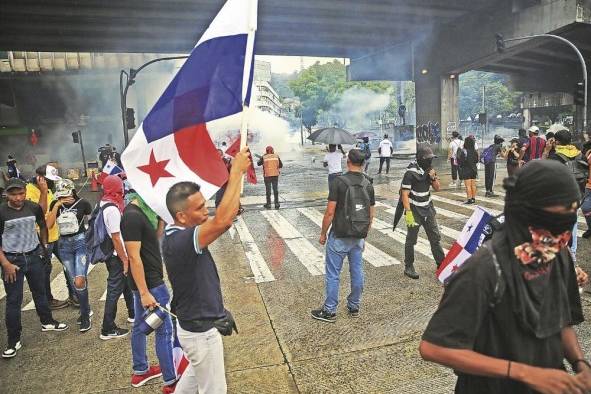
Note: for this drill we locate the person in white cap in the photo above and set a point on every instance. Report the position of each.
(533, 149)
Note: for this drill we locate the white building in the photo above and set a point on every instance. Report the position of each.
(265, 97)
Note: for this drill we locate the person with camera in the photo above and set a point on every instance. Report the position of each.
(197, 294)
(69, 212)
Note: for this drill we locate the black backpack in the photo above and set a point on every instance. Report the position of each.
(578, 167)
(356, 213)
(99, 246)
(461, 156)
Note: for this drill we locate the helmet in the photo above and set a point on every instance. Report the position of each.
(64, 188)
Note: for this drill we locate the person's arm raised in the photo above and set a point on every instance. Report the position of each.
(228, 208)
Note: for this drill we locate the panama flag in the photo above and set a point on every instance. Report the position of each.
(467, 243)
(172, 144)
(110, 168)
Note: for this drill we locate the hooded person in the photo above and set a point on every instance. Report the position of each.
(272, 165)
(489, 157)
(112, 204)
(514, 333)
(415, 194)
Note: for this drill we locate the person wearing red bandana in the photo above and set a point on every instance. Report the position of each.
(505, 321)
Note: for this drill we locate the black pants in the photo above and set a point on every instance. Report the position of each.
(116, 285)
(382, 160)
(272, 181)
(433, 235)
(454, 170)
(489, 176)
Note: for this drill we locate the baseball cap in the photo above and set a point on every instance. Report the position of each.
(534, 129)
(15, 183)
(424, 152)
(51, 173)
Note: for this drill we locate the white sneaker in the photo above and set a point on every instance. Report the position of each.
(452, 184)
(11, 351)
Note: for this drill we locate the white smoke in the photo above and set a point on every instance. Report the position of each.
(355, 108)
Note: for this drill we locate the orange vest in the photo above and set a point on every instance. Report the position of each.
(270, 165)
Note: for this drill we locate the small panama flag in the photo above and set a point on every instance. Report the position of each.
(110, 168)
(469, 240)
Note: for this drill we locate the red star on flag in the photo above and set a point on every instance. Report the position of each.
(156, 169)
(455, 268)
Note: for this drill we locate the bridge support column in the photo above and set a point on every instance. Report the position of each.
(438, 111)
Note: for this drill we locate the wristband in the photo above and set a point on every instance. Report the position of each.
(580, 360)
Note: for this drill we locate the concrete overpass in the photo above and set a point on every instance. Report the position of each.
(427, 41)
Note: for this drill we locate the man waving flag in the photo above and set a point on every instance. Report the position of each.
(173, 144)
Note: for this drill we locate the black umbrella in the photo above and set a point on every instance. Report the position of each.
(334, 136)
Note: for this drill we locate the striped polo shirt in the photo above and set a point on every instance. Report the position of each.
(419, 183)
(18, 232)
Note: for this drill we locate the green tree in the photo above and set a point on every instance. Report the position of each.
(500, 99)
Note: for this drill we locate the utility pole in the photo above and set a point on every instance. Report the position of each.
(83, 155)
(484, 111)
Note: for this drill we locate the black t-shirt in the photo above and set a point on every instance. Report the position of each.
(338, 191)
(418, 182)
(80, 207)
(465, 319)
(135, 226)
(18, 233)
(497, 149)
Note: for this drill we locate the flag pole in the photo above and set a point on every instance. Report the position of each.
(249, 54)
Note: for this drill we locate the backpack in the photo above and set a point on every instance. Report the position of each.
(356, 210)
(99, 246)
(578, 167)
(67, 221)
(367, 151)
(500, 285)
(461, 156)
(488, 155)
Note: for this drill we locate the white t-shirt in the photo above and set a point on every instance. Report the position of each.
(386, 148)
(112, 219)
(454, 145)
(334, 160)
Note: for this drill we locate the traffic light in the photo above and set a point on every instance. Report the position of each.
(76, 137)
(579, 95)
(130, 118)
(500, 42)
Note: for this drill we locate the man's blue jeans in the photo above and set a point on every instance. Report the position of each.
(30, 266)
(163, 338)
(336, 251)
(72, 251)
(116, 285)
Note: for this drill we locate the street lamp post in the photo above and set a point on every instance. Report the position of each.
(501, 47)
(130, 80)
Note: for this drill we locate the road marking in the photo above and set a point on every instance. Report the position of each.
(371, 254)
(303, 249)
(457, 203)
(259, 267)
(422, 246)
(447, 231)
(59, 288)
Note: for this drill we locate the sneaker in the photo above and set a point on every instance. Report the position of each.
(54, 326)
(411, 273)
(10, 351)
(80, 318)
(73, 302)
(322, 315)
(240, 211)
(267, 206)
(493, 194)
(57, 304)
(488, 194)
(473, 201)
(131, 320)
(114, 334)
(353, 312)
(452, 184)
(467, 202)
(85, 324)
(277, 206)
(140, 380)
(168, 389)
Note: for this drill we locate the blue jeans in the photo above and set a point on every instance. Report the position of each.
(32, 268)
(116, 285)
(163, 338)
(72, 250)
(53, 249)
(336, 251)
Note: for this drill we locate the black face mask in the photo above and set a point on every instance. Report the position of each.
(556, 223)
(425, 164)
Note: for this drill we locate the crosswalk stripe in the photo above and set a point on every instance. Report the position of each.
(59, 288)
(457, 203)
(257, 263)
(497, 202)
(447, 231)
(422, 246)
(371, 254)
(303, 249)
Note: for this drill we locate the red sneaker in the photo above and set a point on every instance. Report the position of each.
(140, 380)
(168, 389)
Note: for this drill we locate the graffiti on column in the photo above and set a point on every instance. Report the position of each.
(429, 133)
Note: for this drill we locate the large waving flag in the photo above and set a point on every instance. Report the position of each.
(470, 239)
(172, 143)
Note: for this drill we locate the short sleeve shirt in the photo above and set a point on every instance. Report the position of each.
(338, 190)
(34, 194)
(386, 148)
(18, 232)
(418, 182)
(112, 219)
(334, 160)
(465, 319)
(81, 208)
(135, 227)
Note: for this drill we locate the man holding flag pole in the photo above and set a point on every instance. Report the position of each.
(172, 155)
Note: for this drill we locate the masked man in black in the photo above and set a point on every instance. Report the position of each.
(505, 322)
